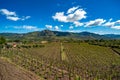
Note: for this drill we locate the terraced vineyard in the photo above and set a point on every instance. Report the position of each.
(94, 61)
(67, 61)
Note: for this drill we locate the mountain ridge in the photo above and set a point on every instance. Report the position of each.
(48, 33)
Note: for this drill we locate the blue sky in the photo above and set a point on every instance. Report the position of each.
(97, 16)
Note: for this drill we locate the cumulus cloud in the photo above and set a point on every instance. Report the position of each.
(25, 17)
(61, 25)
(30, 27)
(7, 13)
(117, 22)
(75, 14)
(76, 23)
(27, 27)
(53, 27)
(96, 22)
(102, 22)
(71, 10)
(48, 26)
(60, 17)
(13, 18)
(74, 31)
(109, 24)
(71, 27)
(113, 24)
(115, 27)
(56, 28)
(110, 19)
(10, 15)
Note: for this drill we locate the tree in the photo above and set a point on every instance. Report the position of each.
(2, 42)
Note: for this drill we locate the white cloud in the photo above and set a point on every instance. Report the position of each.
(48, 26)
(102, 22)
(27, 27)
(25, 17)
(71, 27)
(13, 18)
(30, 27)
(96, 22)
(115, 27)
(73, 15)
(52, 27)
(77, 15)
(56, 28)
(109, 24)
(10, 15)
(60, 17)
(74, 31)
(117, 22)
(71, 10)
(110, 19)
(7, 13)
(76, 23)
(61, 25)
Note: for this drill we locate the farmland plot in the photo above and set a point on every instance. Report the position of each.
(68, 61)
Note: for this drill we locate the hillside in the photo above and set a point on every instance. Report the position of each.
(113, 36)
(47, 34)
(67, 61)
(9, 71)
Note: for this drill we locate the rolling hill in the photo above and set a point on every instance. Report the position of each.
(113, 36)
(45, 34)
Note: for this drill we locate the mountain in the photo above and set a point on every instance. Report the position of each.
(58, 34)
(113, 36)
(47, 34)
(12, 36)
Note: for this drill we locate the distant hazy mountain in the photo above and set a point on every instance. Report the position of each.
(47, 34)
(12, 36)
(113, 36)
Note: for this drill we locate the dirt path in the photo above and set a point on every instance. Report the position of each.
(9, 71)
(63, 54)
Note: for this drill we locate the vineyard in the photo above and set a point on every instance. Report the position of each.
(67, 61)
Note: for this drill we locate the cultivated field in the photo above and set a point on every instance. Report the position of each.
(67, 61)
(10, 71)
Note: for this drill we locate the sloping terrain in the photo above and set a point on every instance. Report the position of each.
(113, 36)
(65, 61)
(47, 34)
(9, 71)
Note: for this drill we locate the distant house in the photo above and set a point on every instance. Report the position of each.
(43, 42)
(11, 45)
(14, 45)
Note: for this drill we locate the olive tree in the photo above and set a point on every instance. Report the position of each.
(2, 42)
